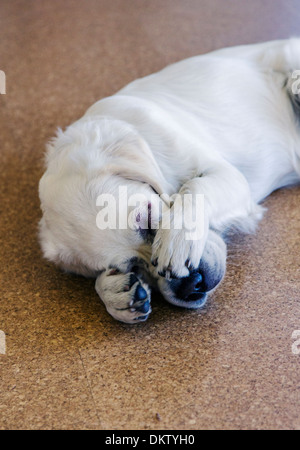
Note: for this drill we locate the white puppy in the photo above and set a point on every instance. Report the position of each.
(224, 125)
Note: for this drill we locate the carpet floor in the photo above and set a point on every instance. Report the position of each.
(68, 364)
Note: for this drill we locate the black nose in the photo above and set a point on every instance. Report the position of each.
(190, 288)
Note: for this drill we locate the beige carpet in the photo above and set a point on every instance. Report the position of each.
(68, 364)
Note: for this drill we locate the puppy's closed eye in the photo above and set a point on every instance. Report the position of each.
(143, 221)
(113, 271)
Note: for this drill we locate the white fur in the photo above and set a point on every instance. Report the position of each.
(221, 124)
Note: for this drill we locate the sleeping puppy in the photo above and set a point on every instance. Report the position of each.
(220, 130)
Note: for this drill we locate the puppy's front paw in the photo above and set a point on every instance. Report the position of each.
(126, 297)
(173, 254)
(179, 242)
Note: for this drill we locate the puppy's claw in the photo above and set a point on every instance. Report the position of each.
(167, 273)
(141, 318)
(162, 273)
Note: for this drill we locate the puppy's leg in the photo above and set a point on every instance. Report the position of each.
(126, 297)
(227, 202)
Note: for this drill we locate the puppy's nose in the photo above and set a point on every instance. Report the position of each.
(189, 288)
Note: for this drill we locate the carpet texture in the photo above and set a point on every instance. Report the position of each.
(68, 364)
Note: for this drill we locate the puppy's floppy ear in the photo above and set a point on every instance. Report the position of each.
(135, 161)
